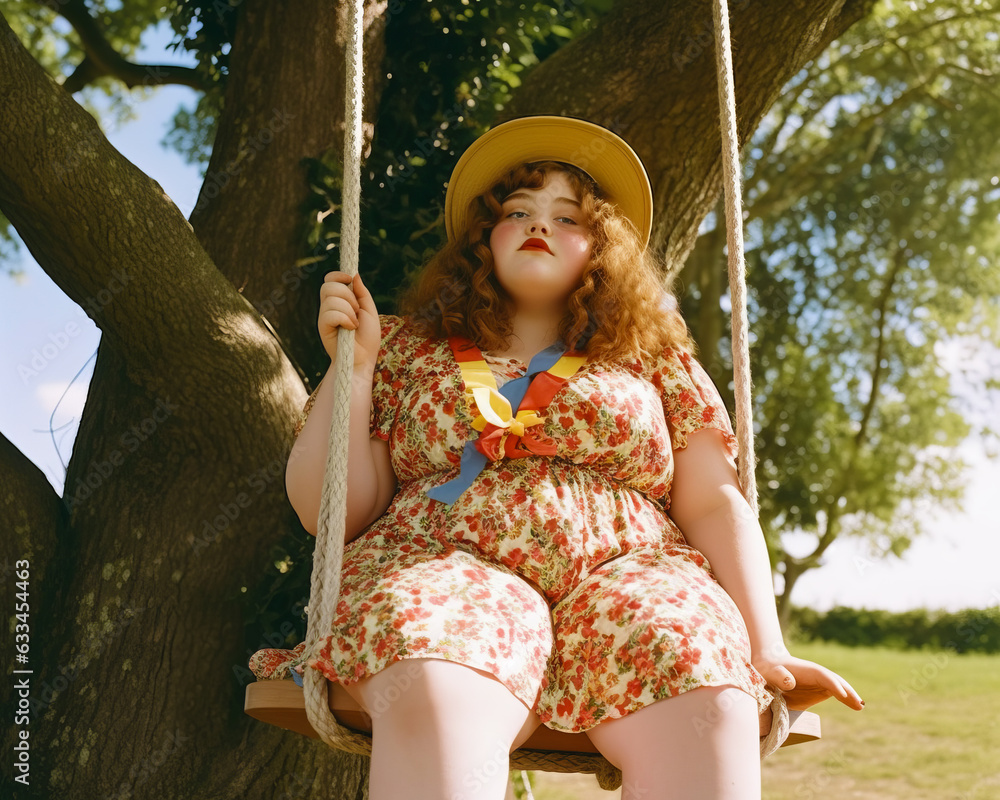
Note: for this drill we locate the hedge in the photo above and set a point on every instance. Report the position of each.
(973, 630)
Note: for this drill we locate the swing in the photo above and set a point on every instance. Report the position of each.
(324, 709)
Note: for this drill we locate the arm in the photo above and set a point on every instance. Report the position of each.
(709, 508)
(371, 481)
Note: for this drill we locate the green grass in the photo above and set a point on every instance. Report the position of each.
(930, 731)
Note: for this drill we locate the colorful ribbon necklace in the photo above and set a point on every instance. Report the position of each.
(502, 432)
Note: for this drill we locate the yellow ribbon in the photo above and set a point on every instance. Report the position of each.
(495, 409)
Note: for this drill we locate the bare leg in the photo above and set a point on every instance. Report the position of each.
(441, 731)
(702, 743)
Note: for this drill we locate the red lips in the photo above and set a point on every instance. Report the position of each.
(536, 244)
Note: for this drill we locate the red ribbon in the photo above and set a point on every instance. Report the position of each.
(495, 443)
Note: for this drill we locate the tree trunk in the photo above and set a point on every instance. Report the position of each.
(794, 569)
(31, 510)
(284, 103)
(707, 269)
(31, 514)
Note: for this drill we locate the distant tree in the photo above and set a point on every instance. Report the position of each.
(873, 197)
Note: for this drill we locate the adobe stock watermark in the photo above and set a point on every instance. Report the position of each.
(290, 281)
(717, 710)
(912, 178)
(400, 685)
(143, 770)
(702, 41)
(6, 570)
(100, 470)
(215, 182)
(45, 354)
(982, 789)
(87, 144)
(486, 774)
(230, 510)
(222, 9)
(426, 145)
(58, 341)
(635, 791)
(277, 640)
(818, 784)
(84, 148)
(91, 647)
(295, 785)
(923, 677)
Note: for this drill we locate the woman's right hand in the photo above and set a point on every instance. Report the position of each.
(344, 303)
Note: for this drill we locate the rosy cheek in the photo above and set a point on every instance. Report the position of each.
(579, 246)
(502, 233)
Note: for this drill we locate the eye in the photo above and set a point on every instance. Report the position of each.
(517, 214)
(566, 220)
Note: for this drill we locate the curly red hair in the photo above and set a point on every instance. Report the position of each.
(621, 311)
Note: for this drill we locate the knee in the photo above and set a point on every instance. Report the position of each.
(699, 717)
(717, 707)
(400, 692)
(424, 696)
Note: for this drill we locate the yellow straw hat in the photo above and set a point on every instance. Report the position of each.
(603, 155)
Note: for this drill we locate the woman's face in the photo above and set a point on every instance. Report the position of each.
(541, 244)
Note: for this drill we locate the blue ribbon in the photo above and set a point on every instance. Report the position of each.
(473, 462)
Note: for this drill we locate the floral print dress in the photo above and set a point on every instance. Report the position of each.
(561, 575)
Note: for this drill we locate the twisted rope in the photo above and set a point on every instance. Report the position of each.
(781, 724)
(328, 556)
(747, 461)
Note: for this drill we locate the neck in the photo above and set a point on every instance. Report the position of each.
(532, 332)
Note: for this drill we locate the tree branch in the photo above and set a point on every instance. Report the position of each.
(110, 237)
(102, 59)
(782, 193)
(899, 259)
(984, 80)
(31, 513)
(788, 103)
(985, 12)
(833, 511)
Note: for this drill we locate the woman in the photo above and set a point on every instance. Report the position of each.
(545, 524)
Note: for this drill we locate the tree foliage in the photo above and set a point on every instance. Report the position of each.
(873, 200)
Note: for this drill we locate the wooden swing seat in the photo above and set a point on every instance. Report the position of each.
(282, 703)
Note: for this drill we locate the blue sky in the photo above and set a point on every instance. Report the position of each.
(46, 362)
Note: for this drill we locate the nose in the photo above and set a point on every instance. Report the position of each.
(538, 227)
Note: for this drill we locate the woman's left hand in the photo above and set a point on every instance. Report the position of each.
(805, 683)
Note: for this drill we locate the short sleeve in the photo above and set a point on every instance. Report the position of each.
(393, 358)
(691, 401)
(385, 383)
